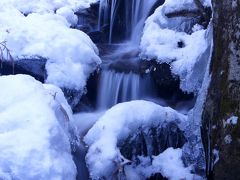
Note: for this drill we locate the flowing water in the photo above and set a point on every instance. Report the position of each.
(118, 86)
(114, 86)
(135, 12)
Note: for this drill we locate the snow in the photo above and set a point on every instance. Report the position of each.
(116, 124)
(34, 138)
(228, 139)
(170, 165)
(46, 6)
(215, 156)
(172, 5)
(71, 54)
(161, 39)
(232, 120)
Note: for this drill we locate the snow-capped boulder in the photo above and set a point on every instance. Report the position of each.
(70, 53)
(104, 157)
(34, 130)
(174, 34)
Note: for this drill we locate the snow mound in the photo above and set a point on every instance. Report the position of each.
(71, 54)
(104, 157)
(170, 165)
(34, 139)
(46, 6)
(178, 40)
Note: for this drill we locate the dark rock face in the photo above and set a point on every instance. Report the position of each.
(31, 66)
(88, 23)
(35, 67)
(88, 18)
(165, 85)
(87, 101)
(157, 176)
(73, 96)
(153, 142)
(155, 6)
(223, 99)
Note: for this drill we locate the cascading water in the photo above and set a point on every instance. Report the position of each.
(121, 80)
(120, 87)
(135, 12)
(116, 87)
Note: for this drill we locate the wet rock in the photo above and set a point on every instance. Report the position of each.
(157, 176)
(35, 67)
(32, 66)
(155, 6)
(88, 101)
(167, 84)
(88, 23)
(152, 142)
(73, 96)
(88, 18)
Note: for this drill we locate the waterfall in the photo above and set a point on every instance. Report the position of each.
(103, 13)
(116, 87)
(135, 12)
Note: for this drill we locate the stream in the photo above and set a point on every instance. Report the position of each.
(122, 76)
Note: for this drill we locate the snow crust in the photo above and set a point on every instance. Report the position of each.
(32, 28)
(34, 138)
(232, 120)
(178, 42)
(170, 165)
(46, 6)
(103, 157)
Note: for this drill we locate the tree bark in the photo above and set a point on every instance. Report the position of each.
(223, 99)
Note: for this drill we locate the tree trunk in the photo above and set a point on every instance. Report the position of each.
(223, 100)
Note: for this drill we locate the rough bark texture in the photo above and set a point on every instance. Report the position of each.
(223, 99)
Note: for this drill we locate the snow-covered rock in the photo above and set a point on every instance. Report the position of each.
(170, 37)
(34, 138)
(71, 54)
(169, 164)
(104, 157)
(46, 6)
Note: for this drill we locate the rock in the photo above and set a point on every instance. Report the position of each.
(153, 142)
(88, 101)
(157, 176)
(168, 84)
(155, 6)
(88, 23)
(32, 66)
(88, 18)
(73, 97)
(35, 67)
